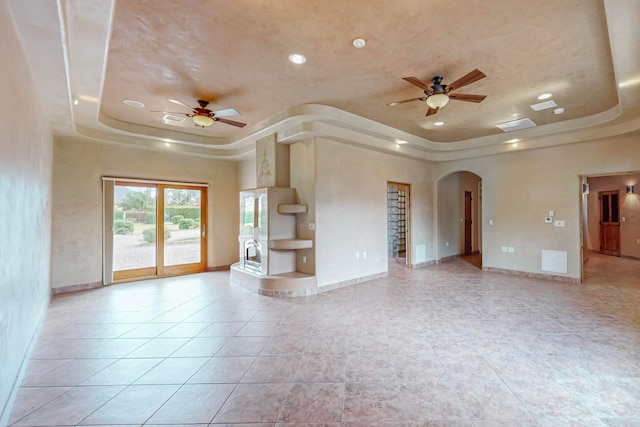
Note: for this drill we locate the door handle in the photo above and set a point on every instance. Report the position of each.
(204, 231)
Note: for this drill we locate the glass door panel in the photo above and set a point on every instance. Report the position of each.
(134, 230)
(184, 233)
(182, 226)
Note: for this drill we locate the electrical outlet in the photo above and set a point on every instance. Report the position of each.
(357, 255)
(304, 259)
(364, 254)
(446, 244)
(559, 223)
(510, 249)
(548, 220)
(505, 249)
(312, 226)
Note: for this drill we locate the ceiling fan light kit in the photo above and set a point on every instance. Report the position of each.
(202, 121)
(437, 100)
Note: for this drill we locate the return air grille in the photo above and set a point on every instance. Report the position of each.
(516, 125)
(172, 120)
(544, 105)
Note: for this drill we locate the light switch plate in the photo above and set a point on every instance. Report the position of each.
(559, 223)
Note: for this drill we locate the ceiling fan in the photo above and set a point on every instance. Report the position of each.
(204, 117)
(438, 95)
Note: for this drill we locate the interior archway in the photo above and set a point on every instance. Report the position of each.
(459, 217)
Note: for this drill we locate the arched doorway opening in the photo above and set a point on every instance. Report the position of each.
(459, 217)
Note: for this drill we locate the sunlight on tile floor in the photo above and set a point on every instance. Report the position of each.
(447, 345)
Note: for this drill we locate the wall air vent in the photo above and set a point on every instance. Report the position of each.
(544, 105)
(516, 125)
(172, 120)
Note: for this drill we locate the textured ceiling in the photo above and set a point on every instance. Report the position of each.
(235, 55)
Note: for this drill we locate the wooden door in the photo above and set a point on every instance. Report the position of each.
(609, 222)
(468, 249)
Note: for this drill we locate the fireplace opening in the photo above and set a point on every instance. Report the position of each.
(252, 256)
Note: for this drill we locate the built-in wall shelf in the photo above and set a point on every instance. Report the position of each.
(292, 209)
(290, 244)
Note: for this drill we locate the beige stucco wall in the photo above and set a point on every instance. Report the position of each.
(629, 212)
(25, 198)
(247, 173)
(351, 209)
(77, 205)
(520, 188)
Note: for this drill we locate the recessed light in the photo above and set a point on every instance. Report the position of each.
(132, 103)
(511, 141)
(359, 43)
(438, 123)
(75, 100)
(166, 144)
(514, 145)
(297, 58)
(545, 96)
(558, 110)
(401, 141)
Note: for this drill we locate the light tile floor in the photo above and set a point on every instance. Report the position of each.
(447, 345)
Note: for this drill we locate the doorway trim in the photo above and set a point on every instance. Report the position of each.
(468, 223)
(407, 232)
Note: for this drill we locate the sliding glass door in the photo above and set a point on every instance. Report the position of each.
(158, 230)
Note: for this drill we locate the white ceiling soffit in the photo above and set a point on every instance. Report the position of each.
(85, 31)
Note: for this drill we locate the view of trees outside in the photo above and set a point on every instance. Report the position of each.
(135, 231)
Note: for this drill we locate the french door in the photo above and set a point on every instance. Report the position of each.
(158, 230)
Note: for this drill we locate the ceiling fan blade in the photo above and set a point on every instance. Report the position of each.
(416, 81)
(227, 112)
(172, 112)
(177, 101)
(466, 97)
(408, 100)
(229, 122)
(469, 78)
(431, 111)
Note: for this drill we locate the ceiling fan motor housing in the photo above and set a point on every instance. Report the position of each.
(438, 87)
